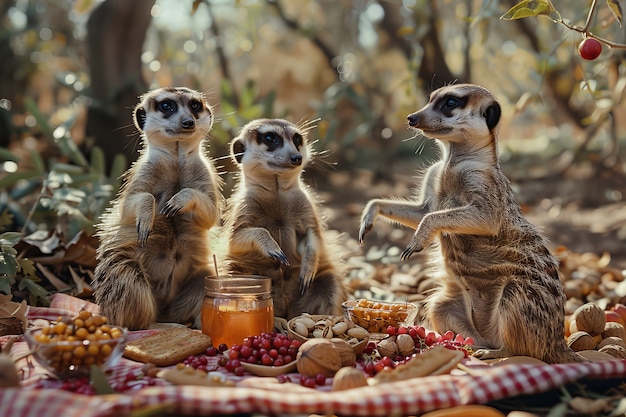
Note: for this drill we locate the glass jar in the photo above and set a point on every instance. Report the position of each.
(235, 307)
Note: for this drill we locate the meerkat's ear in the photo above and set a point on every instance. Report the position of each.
(492, 115)
(237, 150)
(139, 115)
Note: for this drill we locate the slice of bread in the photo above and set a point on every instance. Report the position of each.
(168, 347)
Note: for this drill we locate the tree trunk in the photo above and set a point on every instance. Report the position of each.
(116, 31)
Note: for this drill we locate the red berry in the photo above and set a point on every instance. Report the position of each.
(283, 378)
(403, 330)
(320, 379)
(448, 335)
(223, 347)
(308, 382)
(267, 359)
(245, 351)
(421, 332)
(391, 330)
(589, 49)
(378, 366)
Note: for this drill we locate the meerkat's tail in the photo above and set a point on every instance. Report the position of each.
(123, 293)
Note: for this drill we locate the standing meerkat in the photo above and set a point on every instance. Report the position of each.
(274, 227)
(154, 244)
(499, 283)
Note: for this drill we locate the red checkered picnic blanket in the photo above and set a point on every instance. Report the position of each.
(40, 395)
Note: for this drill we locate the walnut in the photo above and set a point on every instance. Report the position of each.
(616, 351)
(348, 357)
(405, 344)
(613, 329)
(588, 318)
(348, 378)
(318, 356)
(611, 340)
(388, 347)
(581, 341)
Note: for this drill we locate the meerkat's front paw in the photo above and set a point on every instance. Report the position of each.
(414, 246)
(279, 256)
(305, 282)
(367, 221)
(174, 205)
(365, 228)
(144, 227)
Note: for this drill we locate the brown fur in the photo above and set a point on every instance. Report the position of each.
(499, 283)
(274, 227)
(153, 254)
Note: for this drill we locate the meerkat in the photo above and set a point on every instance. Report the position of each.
(154, 244)
(274, 225)
(499, 282)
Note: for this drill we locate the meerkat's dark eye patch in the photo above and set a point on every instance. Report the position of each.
(269, 139)
(195, 106)
(167, 106)
(297, 140)
(450, 102)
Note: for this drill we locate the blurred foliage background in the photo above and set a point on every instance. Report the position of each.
(72, 70)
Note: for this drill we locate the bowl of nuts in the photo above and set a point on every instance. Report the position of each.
(309, 326)
(69, 347)
(376, 316)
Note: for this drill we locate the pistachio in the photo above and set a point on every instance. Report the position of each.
(306, 321)
(300, 328)
(340, 328)
(358, 332)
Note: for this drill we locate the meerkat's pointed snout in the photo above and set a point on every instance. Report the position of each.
(413, 119)
(188, 124)
(295, 160)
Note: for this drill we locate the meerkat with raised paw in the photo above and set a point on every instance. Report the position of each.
(273, 222)
(154, 240)
(498, 281)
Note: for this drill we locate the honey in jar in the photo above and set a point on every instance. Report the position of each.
(235, 307)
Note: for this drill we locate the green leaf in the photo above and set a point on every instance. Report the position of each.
(616, 9)
(28, 268)
(43, 124)
(5, 285)
(33, 288)
(6, 219)
(118, 167)
(11, 179)
(97, 160)
(8, 266)
(10, 238)
(100, 383)
(530, 8)
(37, 160)
(6, 155)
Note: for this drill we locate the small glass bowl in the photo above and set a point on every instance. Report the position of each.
(67, 359)
(376, 316)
